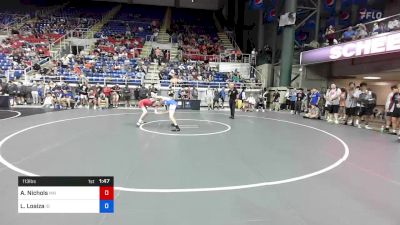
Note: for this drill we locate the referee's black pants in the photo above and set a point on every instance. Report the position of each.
(232, 105)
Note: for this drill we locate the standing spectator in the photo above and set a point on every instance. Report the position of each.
(222, 96)
(265, 96)
(366, 103)
(126, 91)
(241, 98)
(143, 93)
(351, 104)
(292, 97)
(216, 99)
(299, 100)
(232, 93)
(332, 99)
(313, 112)
(390, 106)
(209, 98)
(315, 97)
(107, 93)
(342, 104)
(35, 93)
(115, 95)
(195, 93)
(136, 95)
(275, 100)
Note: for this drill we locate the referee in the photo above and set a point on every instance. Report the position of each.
(232, 93)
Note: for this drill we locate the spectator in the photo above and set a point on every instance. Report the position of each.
(66, 99)
(349, 35)
(330, 34)
(241, 98)
(292, 97)
(209, 98)
(35, 94)
(107, 93)
(361, 31)
(276, 100)
(126, 91)
(261, 103)
(390, 106)
(115, 96)
(251, 102)
(299, 100)
(222, 96)
(314, 98)
(103, 101)
(342, 104)
(313, 113)
(366, 104)
(195, 93)
(351, 104)
(48, 101)
(332, 99)
(394, 24)
(376, 29)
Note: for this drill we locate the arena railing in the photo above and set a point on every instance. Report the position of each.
(222, 57)
(232, 39)
(369, 27)
(23, 72)
(206, 84)
(92, 80)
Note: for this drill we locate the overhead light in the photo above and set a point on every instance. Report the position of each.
(372, 78)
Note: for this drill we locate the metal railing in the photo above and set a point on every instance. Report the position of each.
(206, 84)
(222, 57)
(232, 39)
(92, 80)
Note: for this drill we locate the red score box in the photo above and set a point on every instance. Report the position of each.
(106, 193)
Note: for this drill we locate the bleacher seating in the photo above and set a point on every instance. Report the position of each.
(137, 20)
(104, 68)
(196, 34)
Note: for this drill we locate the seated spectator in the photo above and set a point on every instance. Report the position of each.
(348, 35)
(313, 113)
(66, 99)
(376, 29)
(394, 24)
(48, 101)
(103, 101)
(361, 31)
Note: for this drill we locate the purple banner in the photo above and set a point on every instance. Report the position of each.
(378, 44)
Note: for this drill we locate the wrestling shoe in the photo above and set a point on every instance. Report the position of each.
(176, 129)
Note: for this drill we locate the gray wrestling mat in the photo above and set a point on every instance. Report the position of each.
(261, 168)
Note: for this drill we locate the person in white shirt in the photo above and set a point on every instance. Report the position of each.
(332, 100)
(210, 98)
(252, 102)
(48, 101)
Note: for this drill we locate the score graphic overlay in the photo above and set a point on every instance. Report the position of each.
(65, 194)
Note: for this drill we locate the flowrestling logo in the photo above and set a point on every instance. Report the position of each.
(380, 44)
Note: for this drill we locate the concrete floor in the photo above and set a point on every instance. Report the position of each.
(261, 168)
